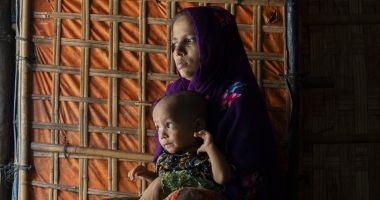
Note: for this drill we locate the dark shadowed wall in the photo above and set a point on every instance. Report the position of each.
(340, 100)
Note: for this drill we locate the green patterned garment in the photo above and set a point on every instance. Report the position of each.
(185, 170)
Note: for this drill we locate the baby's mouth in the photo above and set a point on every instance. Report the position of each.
(168, 145)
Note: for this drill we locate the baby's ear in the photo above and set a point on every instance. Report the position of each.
(200, 124)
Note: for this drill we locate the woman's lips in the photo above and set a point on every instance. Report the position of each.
(181, 64)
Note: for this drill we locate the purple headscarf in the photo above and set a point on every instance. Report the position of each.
(238, 119)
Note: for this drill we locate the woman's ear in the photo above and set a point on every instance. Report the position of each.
(200, 124)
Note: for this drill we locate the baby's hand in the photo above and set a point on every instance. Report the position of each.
(207, 140)
(138, 171)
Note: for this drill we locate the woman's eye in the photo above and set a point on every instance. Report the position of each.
(189, 40)
(174, 45)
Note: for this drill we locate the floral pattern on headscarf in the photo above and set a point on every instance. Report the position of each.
(231, 94)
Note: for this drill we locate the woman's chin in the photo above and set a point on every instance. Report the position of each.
(186, 76)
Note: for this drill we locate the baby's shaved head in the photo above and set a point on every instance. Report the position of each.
(187, 103)
(177, 117)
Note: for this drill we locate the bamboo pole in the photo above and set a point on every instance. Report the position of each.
(142, 82)
(110, 194)
(84, 90)
(6, 68)
(292, 63)
(245, 2)
(24, 98)
(170, 67)
(254, 40)
(231, 7)
(86, 151)
(258, 45)
(171, 13)
(110, 95)
(53, 193)
(113, 95)
(142, 74)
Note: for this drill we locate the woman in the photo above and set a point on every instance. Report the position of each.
(211, 60)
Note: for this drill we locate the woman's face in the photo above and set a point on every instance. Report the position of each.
(184, 47)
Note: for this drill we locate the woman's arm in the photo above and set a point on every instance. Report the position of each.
(221, 170)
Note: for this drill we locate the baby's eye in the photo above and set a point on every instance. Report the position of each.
(169, 125)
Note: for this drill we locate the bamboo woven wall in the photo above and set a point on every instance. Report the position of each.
(340, 120)
(98, 66)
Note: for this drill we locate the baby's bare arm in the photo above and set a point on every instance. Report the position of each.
(141, 172)
(221, 170)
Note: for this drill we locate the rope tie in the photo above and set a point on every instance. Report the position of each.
(7, 171)
(65, 145)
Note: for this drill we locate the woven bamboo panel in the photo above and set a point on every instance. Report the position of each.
(340, 129)
(99, 64)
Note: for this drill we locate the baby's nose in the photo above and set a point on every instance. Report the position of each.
(162, 133)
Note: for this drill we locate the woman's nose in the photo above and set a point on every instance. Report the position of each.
(179, 50)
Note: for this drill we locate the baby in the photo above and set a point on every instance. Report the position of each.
(190, 158)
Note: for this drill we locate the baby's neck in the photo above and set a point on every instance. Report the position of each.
(190, 150)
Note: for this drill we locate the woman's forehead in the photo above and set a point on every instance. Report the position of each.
(182, 25)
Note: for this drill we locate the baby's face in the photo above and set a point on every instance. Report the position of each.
(175, 131)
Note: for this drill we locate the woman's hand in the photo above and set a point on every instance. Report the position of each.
(207, 140)
(141, 172)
